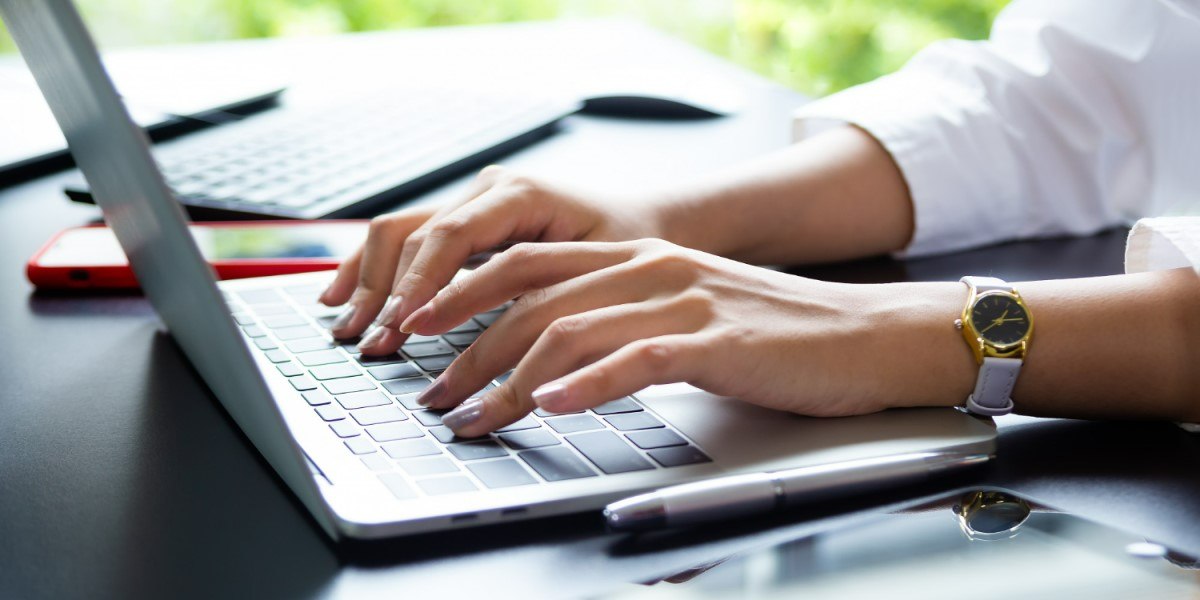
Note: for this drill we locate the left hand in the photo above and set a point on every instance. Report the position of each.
(596, 321)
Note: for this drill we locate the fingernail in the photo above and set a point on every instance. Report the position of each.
(372, 338)
(468, 412)
(389, 311)
(433, 393)
(343, 319)
(550, 395)
(416, 319)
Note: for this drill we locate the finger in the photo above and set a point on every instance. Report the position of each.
(515, 271)
(376, 265)
(429, 262)
(511, 336)
(641, 364)
(339, 291)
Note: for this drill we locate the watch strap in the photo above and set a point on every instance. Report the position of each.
(993, 388)
(986, 284)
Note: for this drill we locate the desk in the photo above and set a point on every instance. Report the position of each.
(121, 476)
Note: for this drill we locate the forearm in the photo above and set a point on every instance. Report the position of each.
(833, 197)
(1123, 346)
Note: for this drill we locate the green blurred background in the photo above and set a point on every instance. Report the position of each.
(815, 46)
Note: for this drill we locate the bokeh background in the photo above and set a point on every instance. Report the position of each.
(815, 46)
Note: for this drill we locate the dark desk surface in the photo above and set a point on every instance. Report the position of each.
(121, 476)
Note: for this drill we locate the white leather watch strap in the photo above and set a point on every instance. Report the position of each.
(993, 388)
(986, 284)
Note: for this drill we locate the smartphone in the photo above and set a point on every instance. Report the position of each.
(90, 257)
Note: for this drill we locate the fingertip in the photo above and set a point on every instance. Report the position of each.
(552, 397)
(418, 320)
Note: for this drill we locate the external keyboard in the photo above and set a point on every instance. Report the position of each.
(370, 404)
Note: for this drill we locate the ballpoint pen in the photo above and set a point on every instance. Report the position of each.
(733, 496)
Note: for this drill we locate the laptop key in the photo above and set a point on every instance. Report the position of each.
(377, 462)
(409, 401)
(435, 363)
(317, 398)
(427, 349)
(265, 343)
(253, 331)
(679, 456)
(277, 356)
(243, 319)
(345, 429)
(374, 415)
(337, 371)
(400, 387)
(295, 333)
(444, 435)
(624, 405)
(429, 418)
(303, 383)
(259, 296)
(440, 486)
(649, 439)
(487, 319)
(634, 421)
(574, 423)
(330, 413)
(501, 473)
(308, 345)
(284, 320)
(394, 371)
(357, 400)
(371, 361)
(346, 386)
(420, 467)
(529, 439)
(556, 464)
(526, 422)
(609, 452)
(321, 357)
(461, 340)
(466, 327)
(398, 486)
(477, 450)
(545, 413)
(411, 448)
(289, 369)
(390, 432)
(359, 445)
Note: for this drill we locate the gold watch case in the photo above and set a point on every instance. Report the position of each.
(982, 347)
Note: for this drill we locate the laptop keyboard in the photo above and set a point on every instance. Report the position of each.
(370, 404)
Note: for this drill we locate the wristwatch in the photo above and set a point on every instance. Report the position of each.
(997, 325)
(988, 515)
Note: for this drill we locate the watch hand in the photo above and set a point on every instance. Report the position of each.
(984, 330)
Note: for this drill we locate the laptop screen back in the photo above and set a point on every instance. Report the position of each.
(114, 156)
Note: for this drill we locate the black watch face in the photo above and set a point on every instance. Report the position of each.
(999, 319)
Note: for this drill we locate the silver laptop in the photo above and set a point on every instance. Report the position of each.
(343, 431)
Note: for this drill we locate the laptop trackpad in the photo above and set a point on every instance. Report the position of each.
(737, 434)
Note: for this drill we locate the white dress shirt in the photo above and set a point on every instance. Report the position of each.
(1075, 116)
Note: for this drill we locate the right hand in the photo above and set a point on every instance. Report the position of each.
(412, 254)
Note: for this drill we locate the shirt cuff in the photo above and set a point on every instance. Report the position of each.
(1163, 243)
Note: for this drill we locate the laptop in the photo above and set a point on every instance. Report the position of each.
(343, 431)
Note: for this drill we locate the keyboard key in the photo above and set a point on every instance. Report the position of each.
(321, 357)
(609, 452)
(466, 327)
(435, 363)
(417, 338)
(526, 422)
(400, 387)
(485, 389)
(477, 450)
(289, 369)
(501, 378)
(487, 319)
(371, 361)
(346, 386)
(308, 345)
(633, 421)
(429, 418)
(390, 432)
(420, 467)
(360, 445)
(243, 319)
(345, 429)
(279, 321)
(394, 371)
(411, 448)
(277, 356)
(574, 423)
(409, 401)
(556, 464)
(303, 383)
(679, 456)
(265, 343)
(317, 398)
(359, 400)
(428, 349)
(399, 487)
(338, 371)
(377, 462)
(501, 473)
(545, 413)
(330, 413)
(440, 486)
(624, 405)
(461, 340)
(263, 310)
(254, 331)
(650, 439)
(444, 435)
(375, 415)
(295, 333)
(259, 296)
(530, 438)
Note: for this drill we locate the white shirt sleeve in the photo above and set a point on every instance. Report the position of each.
(1073, 117)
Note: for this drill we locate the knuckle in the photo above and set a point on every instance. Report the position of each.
(564, 331)
(527, 302)
(519, 254)
(446, 228)
(699, 301)
(657, 356)
(414, 241)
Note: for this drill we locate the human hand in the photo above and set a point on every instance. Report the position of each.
(598, 321)
(411, 254)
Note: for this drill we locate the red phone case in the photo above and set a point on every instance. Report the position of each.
(121, 276)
